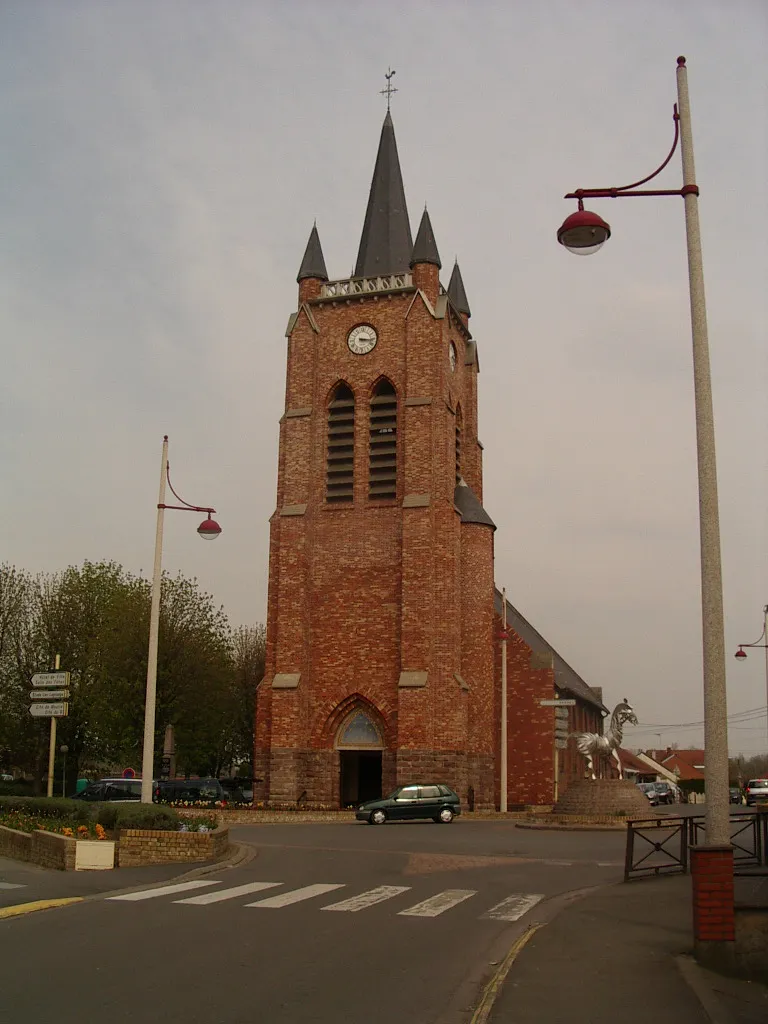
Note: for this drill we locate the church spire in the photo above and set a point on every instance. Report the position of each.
(313, 264)
(425, 246)
(385, 244)
(456, 292)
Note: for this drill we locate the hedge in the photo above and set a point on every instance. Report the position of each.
(113, 815)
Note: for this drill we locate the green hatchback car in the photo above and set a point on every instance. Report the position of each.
(407, 803)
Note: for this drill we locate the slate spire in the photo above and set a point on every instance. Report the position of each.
(456, 292)
(313, 264)
(385, 244)
(425, 247)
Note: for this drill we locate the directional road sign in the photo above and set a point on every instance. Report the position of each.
(51, 679)
(561, 744)
(557, 703)
(561, 713)
(57, 710)
(49, 694)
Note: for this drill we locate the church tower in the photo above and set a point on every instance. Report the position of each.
(380, 621)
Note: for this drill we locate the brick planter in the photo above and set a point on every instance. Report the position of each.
(144, 846)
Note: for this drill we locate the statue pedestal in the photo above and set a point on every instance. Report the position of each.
(600, 797)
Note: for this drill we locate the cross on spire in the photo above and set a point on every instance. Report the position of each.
(390, 88)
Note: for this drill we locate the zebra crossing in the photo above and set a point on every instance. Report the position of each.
(511, 908)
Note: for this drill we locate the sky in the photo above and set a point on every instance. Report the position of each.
(163, 162)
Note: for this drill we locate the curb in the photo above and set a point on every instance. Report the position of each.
(484, 1007)
(696, 980)
(29, 908)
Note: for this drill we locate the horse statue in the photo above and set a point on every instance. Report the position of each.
(592, 744)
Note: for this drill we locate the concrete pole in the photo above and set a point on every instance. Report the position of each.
(765, 641)
(503, 758)
(148, 754)
(717, 831)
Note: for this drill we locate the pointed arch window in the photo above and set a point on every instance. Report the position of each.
(359, 731)
(340, 472)
(382, 473)
(459, 428)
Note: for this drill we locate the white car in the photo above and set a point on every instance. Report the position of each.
(756, 789)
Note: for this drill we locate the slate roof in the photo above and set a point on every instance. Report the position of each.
(425, 247)
(466, 501)
(456, 292)
(385, 244)
(313, 264)
(566, 678)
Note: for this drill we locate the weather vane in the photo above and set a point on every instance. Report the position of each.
(390, 88)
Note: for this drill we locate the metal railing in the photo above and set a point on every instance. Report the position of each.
(659, 846)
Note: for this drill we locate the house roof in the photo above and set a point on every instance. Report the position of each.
(565, 677)
(633, 763)
(683, 767)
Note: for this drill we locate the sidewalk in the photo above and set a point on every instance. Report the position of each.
(622, 954)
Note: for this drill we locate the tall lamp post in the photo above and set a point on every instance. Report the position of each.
(741, 653)
(209, 529)
(583, 233)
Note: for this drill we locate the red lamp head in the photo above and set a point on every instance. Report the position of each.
(740, 653)
(209, 529)
(583, 232)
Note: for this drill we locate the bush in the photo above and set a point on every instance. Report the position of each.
(55, 807)
(127, 814)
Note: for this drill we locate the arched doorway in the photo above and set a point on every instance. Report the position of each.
(360, 744)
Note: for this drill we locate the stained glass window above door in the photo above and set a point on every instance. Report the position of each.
(359, 731)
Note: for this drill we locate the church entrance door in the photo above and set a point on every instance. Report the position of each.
(360, 776)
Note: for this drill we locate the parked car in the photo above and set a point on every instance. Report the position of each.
(189, 791)
(649, 789)
(666, 792)
(110, 789)
(407, 803)
(238, 790)
(756, 790)
(735, 796)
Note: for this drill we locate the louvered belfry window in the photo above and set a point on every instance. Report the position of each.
(382, 478)
(341, 446)
(458, 443)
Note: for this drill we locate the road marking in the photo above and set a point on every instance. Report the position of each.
(285, 899)
(163, 890)
(610, 864)
(227, 894)
(514, 906)
(438, 904)
(12, 885)
(29, 908)
(368, 899)
(483, 1011)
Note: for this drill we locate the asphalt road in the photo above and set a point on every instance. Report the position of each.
(399, 923)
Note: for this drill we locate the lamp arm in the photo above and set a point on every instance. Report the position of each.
(614, 193)
(185, 505)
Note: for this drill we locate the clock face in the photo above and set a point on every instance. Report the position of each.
(452, 356)
(361, 339)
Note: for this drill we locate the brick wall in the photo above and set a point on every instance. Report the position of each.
(17, 845)
(142, 846)
(51, 850)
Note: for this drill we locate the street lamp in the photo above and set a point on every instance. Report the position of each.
(741, 653)
(585, 232)
(209, 529)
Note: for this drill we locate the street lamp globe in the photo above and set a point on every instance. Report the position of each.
(583, 232)
(740, 653)
(209, 529)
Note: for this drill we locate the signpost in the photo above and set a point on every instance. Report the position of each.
(51, 678)
(561, 729)
(49, 694)
(60, 709)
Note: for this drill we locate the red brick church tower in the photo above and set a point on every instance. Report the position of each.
(380, 621)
